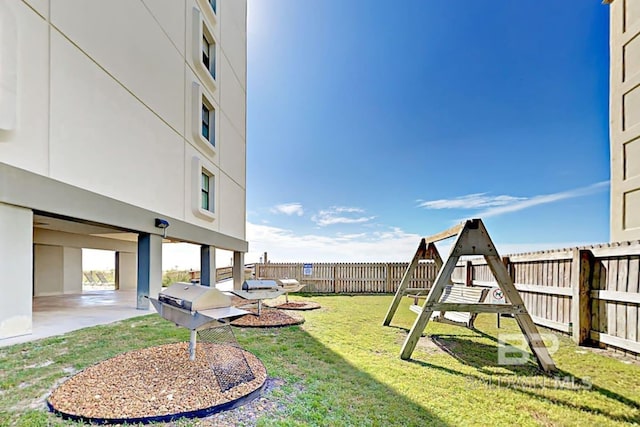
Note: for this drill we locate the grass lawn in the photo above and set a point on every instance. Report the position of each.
(341, 367)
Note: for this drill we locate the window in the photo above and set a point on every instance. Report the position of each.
(213, 5)
(206, 192)
(205, 52)
(204, 45)
(203, 121)
(203, 185)
(209, 124)
(209, 60)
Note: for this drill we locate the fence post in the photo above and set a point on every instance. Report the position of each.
(507, 264)
(468, 273)
(581, 276)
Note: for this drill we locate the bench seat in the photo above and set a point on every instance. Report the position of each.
(457, 294)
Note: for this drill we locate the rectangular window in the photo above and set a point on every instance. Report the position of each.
(209, 55)
(206, 116)
(212, 59)
(205, 192)
(213, 5)
(206, 47)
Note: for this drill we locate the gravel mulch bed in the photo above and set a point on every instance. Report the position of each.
(297, 305)
(269, 318)
(154, 382)
(236, 301)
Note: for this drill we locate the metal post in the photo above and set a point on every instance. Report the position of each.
(192, 344)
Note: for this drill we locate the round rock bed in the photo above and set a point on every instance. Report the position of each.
(156, 384)
(269, 318)
(297, 305)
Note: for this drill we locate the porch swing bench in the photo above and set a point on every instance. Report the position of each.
(458, 294)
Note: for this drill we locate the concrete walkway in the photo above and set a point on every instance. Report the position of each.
(57, 315)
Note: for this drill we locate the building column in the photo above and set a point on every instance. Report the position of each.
(47, 270)
(71, 270)
(207, 265)
(149, 268)
(16, 269)
(126, 271)
(238, 270)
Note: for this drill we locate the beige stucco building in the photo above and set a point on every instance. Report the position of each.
(625, 119)
(117, 118)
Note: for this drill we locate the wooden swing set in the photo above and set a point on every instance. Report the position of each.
(472, 239)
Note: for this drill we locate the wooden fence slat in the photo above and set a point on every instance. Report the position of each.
(604, 273)
(612, 284)
(633, 288)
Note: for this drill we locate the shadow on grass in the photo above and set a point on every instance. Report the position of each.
(536, 390)
(527, 379)
(478, 355)
(467, 350)
(333, 391)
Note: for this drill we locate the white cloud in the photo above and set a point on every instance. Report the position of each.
(392, 245)
(340, 215)
(470, 201)
(283, 245)
(288, 209)
(498, 205)
(544, 199)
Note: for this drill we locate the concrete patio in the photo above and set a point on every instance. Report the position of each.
(59, 314)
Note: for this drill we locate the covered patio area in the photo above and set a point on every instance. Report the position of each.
(59, 314)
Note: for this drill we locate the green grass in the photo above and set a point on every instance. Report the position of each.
(341, 367)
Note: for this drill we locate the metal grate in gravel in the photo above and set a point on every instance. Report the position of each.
(226, 358)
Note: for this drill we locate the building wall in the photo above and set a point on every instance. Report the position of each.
(57, 270)
(105, 101)
(625, 120)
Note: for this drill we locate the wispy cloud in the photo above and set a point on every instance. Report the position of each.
(546, 198)
(390, 244)
(470, 201)
(498, 205)
(288, 209)
(287, 245)
(340, 215)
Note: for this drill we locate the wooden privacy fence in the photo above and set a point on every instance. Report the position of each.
(349, 278)
(592, 293)
(223, 273)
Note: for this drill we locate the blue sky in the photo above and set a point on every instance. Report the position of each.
(372, 123)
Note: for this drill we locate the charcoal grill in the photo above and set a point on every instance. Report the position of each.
(259, 290)
(196, 308)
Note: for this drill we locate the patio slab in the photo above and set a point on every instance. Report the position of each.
(59, 314)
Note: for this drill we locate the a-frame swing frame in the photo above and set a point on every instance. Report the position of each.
(426, 251)
(473, 239)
